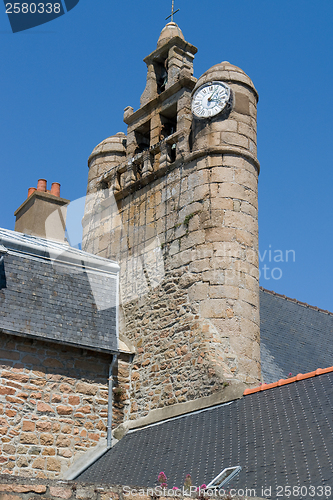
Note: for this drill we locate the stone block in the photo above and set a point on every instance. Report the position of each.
(221, 204)
(43, 426)
(64, 410)
(249, 209)
(229, 250)
(59, 492)
(22, 462)
(251, 283)
(232, 190)
(234, 277)
(213, 277)
(198, 266)
(223, 292)
(187, 280)
(248, 131)
(44, 408)
(219, 234)
(201, 192)
(5, 496)
(227, 327)
(39, 463)
(28, 438)
(252, 256)
(198, 291)
(203, 251)
(48, 451)
(28, 426)
(46, 439)
(186, 198)
(222, 174)
(86, 388)
(233, 160)
(197, 178)
(226, 125)
(249, 296)
(253, 110)
(246, 238)
(9, 355)
(253, 147)
(74, 400)
(53, 464)
(240, 220)
(248, 311)
(192, 208)
(213, 308)
(9, 449)
(246, 178)
(251, 328)
(192, 240)
(174, 247)
(242, 103)
(212, 218)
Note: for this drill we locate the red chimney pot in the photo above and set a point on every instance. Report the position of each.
(55, 189)
(41, 185)
(30, 191)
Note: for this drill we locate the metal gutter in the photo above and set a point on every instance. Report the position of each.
(109, 426)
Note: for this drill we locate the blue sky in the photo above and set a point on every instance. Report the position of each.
(64, 86)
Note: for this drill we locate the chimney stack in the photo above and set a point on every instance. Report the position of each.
(43, 213)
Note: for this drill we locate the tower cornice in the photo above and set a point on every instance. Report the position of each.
(184, 81)
(175, 41)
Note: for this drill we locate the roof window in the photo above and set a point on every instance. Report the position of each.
(224, 477)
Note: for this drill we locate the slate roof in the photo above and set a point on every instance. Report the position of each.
(279, 436)
(294, 337)
(54, 292)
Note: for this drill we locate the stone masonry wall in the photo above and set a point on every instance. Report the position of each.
(53, 405)
(187, 248)
(24, 489)
(184, 229)
(201, 324)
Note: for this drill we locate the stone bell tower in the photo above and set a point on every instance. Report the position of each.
(175, 203)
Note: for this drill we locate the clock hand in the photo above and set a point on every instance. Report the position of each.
(216, 100)
(211, 96)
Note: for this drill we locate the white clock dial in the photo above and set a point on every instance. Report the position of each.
(210, 99)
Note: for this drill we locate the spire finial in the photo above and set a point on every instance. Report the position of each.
(173, 11)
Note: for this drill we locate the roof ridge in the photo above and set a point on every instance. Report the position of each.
(304, 304)
(300, 376)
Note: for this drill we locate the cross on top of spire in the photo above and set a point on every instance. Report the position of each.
(173, 11)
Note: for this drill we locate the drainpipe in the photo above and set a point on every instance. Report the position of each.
(109, 428)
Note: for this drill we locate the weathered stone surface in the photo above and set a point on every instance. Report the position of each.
(185, 222)
(49, 406)
(17, 488)
(59, 492)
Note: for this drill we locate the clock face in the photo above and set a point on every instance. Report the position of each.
(210, 99)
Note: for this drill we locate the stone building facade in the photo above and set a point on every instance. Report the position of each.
(54, 405)
(174, 202)
(58, 338)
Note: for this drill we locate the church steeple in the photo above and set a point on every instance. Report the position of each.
(182, 223)
(172, 59)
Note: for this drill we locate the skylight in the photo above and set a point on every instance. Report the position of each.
(224, 477)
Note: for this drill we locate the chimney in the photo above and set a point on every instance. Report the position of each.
(43, 213)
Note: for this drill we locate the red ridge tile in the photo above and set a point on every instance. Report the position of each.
(252, 391)
(268, 386)
(300, 376)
